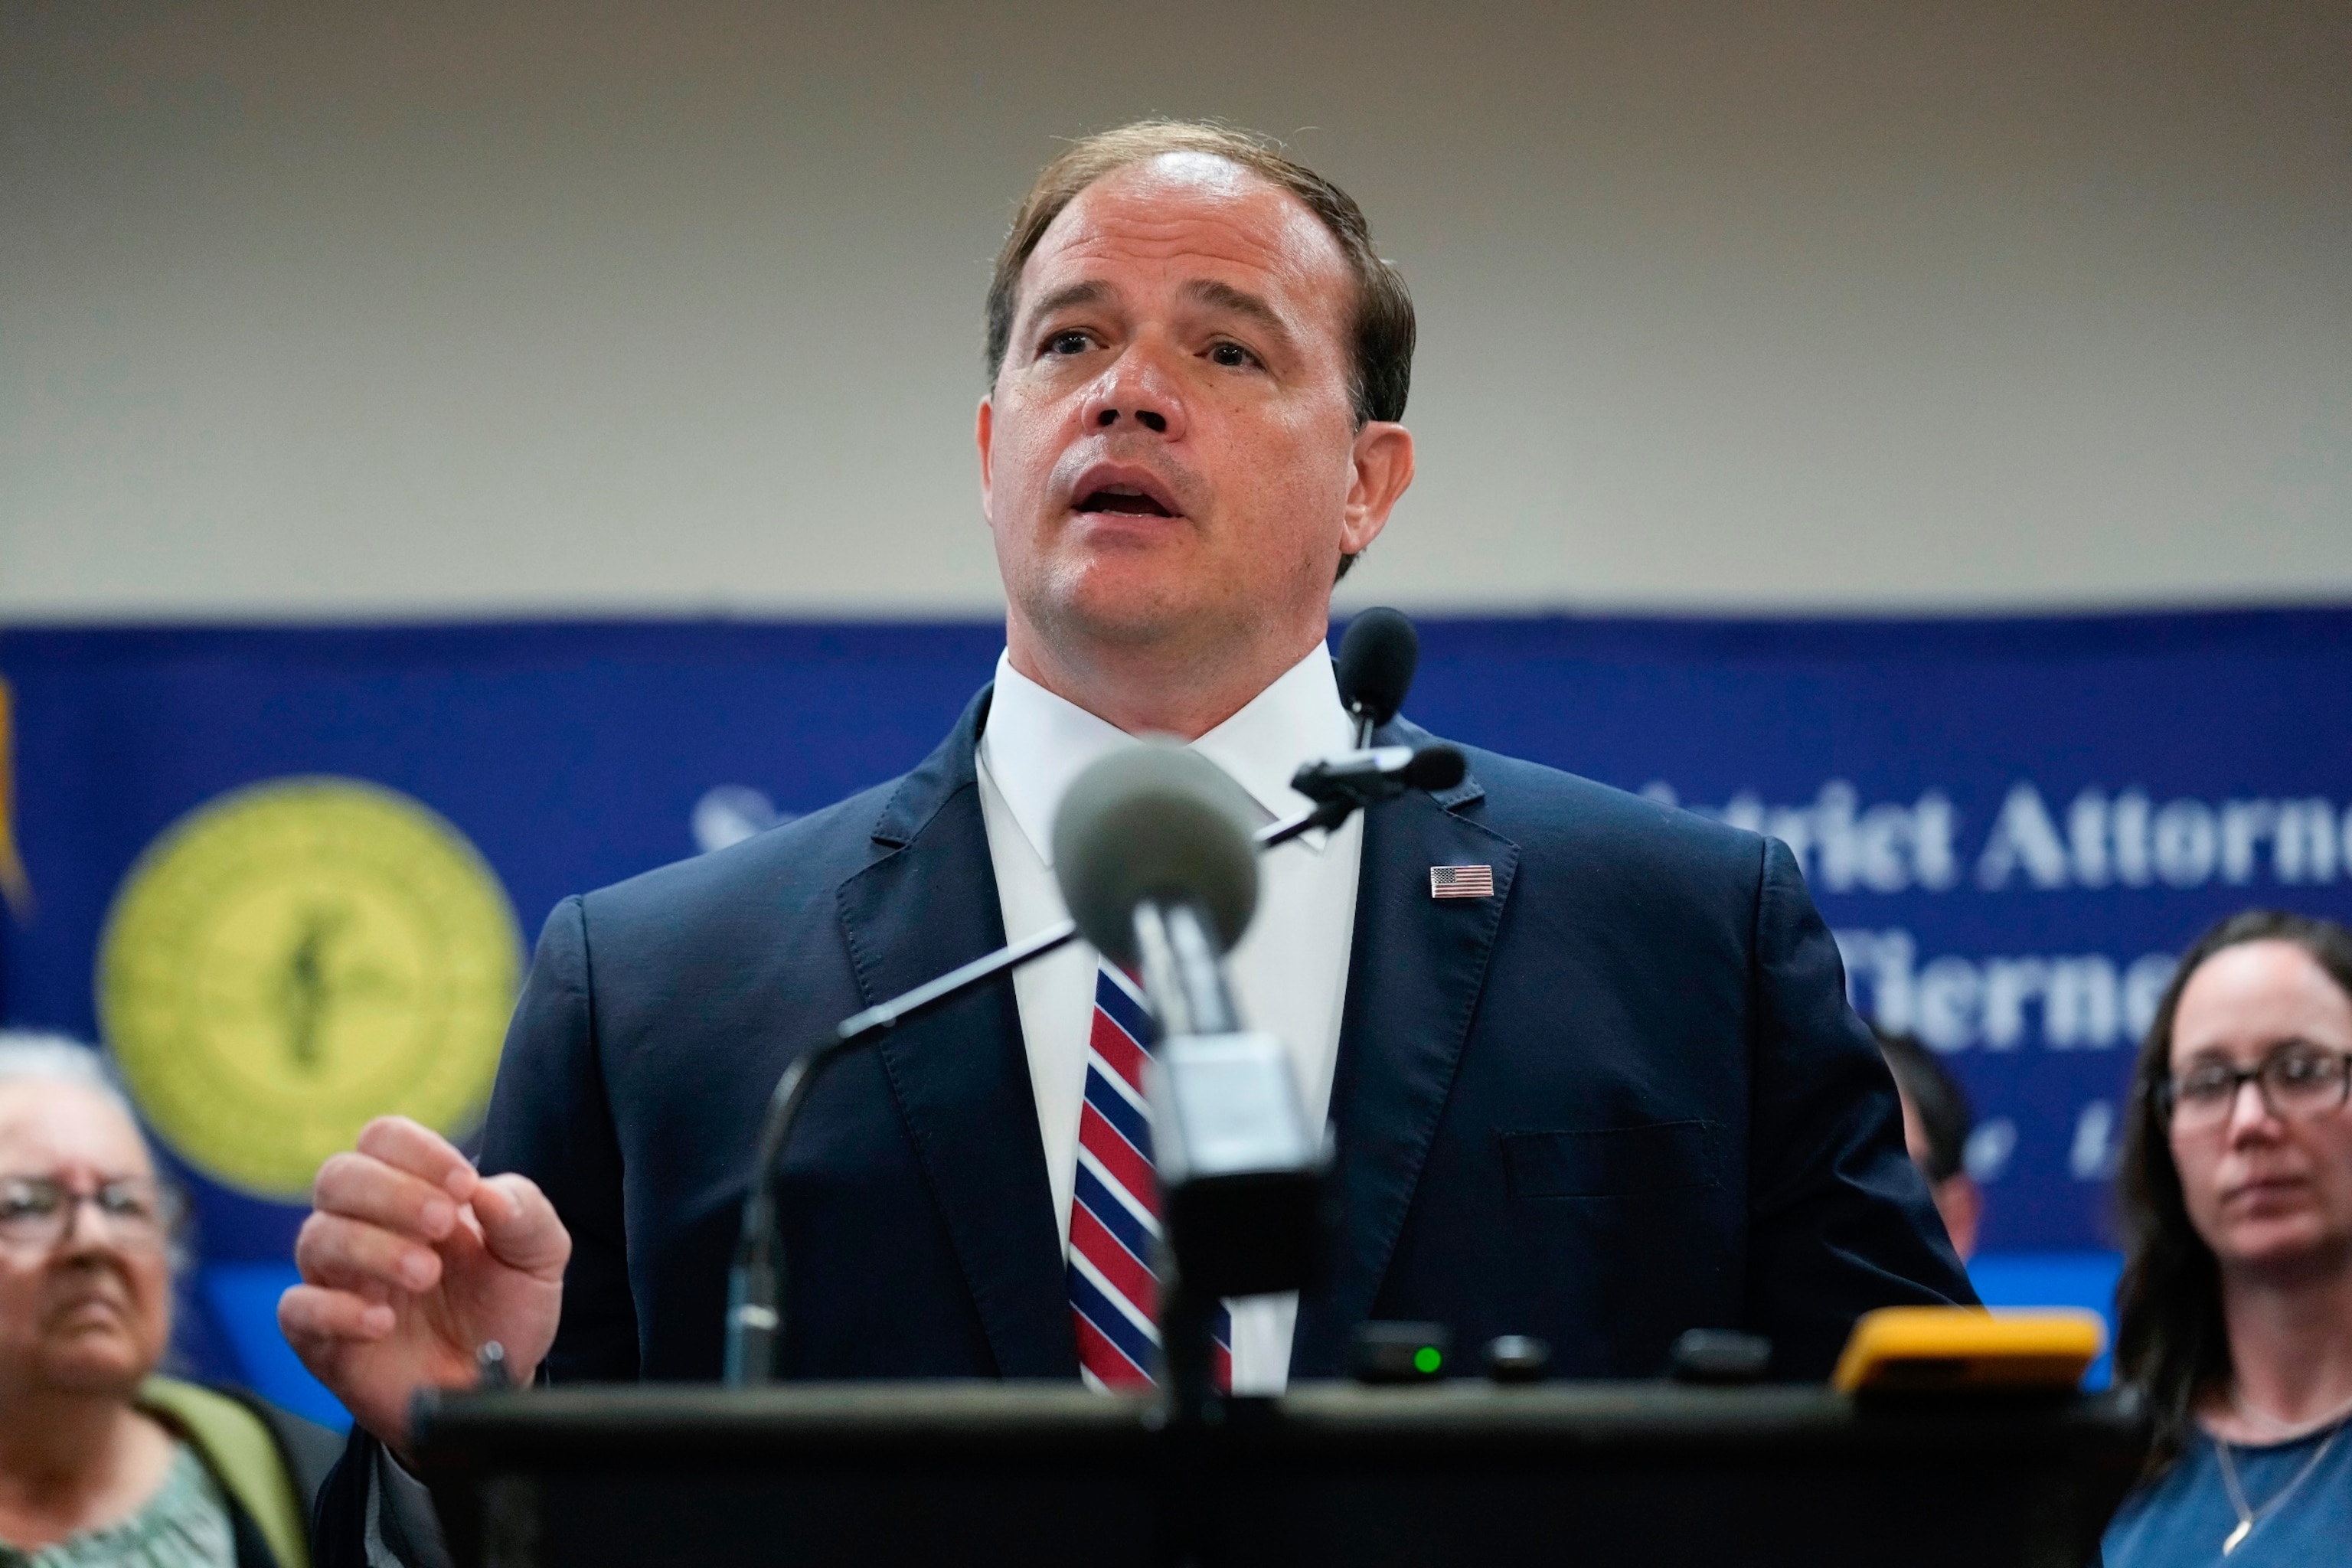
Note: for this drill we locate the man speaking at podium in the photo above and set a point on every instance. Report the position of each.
(1588, 1060)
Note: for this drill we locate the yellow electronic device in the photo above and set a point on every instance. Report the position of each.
(1922, 1350)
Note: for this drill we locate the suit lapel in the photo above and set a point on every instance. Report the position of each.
(1414, 981)
(926, 904)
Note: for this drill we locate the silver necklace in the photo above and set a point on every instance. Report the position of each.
(2249, 1517)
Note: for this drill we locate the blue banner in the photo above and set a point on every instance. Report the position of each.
(289, 875)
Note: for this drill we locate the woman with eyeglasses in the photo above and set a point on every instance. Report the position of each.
(2235, 1306)
(103, 1462)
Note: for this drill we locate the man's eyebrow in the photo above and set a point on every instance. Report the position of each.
(1240, 301)
(1069, 295)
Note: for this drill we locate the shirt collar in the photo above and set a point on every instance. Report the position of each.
(1036, 743)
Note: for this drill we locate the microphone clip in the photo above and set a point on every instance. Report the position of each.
(1350, 782)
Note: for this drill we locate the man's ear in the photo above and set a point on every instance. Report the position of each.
(1962, 1202)
(1381, 463)
(984, 435)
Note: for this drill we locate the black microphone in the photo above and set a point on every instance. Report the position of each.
(1377, 658)
(1343, 786)
(1382, 772)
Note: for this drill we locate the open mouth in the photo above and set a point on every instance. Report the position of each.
(1123, 500)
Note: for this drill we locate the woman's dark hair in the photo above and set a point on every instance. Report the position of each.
(2170, 1341)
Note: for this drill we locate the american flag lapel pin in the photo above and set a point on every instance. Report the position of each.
(1462, 881)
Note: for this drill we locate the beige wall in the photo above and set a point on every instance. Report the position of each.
(541, 309)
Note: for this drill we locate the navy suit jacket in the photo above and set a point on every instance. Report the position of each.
(1622, 1098)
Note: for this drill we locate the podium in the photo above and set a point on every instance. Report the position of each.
(1620, 1474)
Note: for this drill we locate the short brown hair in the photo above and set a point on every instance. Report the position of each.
(1384, 328)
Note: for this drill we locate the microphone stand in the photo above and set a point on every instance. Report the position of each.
(755, 1284)
(1181, 973)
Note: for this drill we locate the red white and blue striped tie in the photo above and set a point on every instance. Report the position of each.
(1114, 1208)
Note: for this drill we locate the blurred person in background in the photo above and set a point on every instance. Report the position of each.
(1936, 1121)
(2235, 1306)
(101, 1461)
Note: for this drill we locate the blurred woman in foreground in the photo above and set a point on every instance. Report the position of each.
(2235, 1306)
(101, 1462)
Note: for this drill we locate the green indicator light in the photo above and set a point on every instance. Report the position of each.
(1426, 1360)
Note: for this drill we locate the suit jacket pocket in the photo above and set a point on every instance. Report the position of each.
(1611, 1162)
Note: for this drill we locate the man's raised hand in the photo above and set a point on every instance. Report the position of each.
(410, 1261)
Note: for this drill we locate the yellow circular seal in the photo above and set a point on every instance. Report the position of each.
(293, 958)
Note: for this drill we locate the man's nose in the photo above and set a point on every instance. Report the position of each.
(1134, 393)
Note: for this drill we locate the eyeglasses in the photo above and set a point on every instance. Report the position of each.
(36, 1212)
(2295, 1082)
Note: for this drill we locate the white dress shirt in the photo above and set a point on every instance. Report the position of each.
(1289, 974)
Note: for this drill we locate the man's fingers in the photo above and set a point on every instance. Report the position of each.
(309, 1315)
(520, 1226)
(415, 1148)
(363, 1187)
(351, 1254)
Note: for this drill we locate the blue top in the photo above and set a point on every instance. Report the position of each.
(2184, 1518)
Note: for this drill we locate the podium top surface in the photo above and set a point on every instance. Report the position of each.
(669, 1423)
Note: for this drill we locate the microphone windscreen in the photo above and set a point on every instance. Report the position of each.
(1436, 767)
(1376, 663)
(1155, 821)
